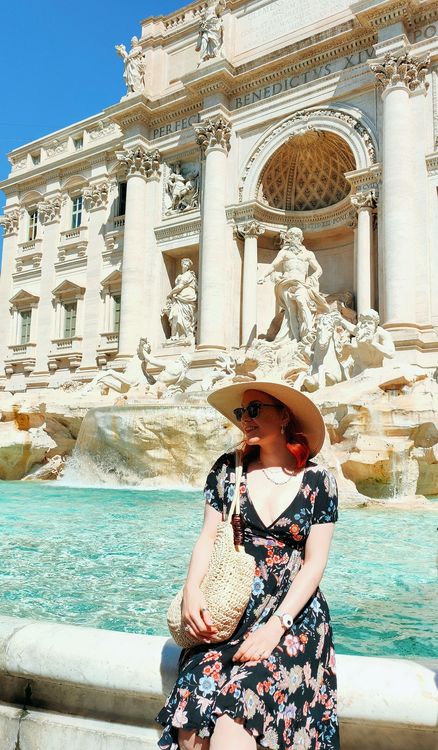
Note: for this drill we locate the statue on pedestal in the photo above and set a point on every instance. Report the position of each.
(181, 305)
(296, 272)
(135, 66)
(210, 30)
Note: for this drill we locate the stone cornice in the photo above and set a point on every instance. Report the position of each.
(365, 179)
(191, 228)
(276, 220)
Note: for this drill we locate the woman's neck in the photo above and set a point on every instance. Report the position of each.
(276, 454)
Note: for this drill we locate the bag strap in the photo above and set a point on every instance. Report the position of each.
(235, 505)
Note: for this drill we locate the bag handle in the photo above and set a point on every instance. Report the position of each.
(235, 505)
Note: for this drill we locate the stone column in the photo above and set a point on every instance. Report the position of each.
(365, 203)
(398, 77)
(213, 136)
(143, 174)
(250, 231)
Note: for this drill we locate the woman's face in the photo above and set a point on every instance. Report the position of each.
(267, 425)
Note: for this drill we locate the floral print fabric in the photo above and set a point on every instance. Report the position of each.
(288, 701)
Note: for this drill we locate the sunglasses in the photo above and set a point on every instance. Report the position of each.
(253, 409)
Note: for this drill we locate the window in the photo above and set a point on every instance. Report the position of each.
(36, 158)
(78, 143)
(76, 219)
(116, 321)
(121, 203)
(25, 319)
(33, 225)
(70, 319)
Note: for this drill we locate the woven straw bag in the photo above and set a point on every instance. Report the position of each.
(227, 584)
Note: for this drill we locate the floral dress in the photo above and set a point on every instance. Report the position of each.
(287, 701)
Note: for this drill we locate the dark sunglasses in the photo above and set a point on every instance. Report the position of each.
(253, 409)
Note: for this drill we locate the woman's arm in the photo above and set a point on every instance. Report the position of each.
(261, 642)
(194, 614)
(309, 577)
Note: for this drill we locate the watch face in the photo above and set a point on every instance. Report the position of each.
(287, 621)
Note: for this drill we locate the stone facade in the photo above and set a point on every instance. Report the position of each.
(240, 121)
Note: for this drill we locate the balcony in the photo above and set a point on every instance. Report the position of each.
(29, 255)
(108, 345)
(20, 357)
(73, 244)
(65, 352)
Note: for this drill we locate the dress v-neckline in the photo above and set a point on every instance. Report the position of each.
(284, 509)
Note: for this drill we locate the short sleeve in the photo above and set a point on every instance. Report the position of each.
(325, 509)
(215, 490)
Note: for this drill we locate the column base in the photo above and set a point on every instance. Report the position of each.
(415, 344)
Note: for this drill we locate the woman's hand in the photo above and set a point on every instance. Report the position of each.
(195, 615)
(260, 643)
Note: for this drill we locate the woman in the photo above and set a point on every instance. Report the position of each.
(274, 681)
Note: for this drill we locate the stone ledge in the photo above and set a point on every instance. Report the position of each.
(83, 683)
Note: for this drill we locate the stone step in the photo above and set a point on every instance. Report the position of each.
(42, 729)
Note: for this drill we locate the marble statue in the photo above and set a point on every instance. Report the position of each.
(326, 360)
(135, 67)
(181, 305)
(170, 378)
(210, 30)
(183, 190)
(370, 346)
(295, 273)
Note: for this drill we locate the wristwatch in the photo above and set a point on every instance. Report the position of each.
(286, 620)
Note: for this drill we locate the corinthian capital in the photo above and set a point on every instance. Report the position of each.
(364, 199)
(141, 162)
(214, 132)
(10, 221)
(49, 210)
(251, 229)
(404, 69)
(96, 196)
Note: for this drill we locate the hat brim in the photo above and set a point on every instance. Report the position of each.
(306, 414)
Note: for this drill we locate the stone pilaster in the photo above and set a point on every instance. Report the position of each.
(398, 77)
(213, 136)
(143, 169)
(96, 202)
(49, 214)
(365, 204)
(250, 231)
(10, 222)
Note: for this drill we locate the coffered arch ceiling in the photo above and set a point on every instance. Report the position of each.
(307, 172)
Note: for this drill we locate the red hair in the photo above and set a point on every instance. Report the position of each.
(296, 443)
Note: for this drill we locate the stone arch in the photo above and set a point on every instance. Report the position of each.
(74, 182)
(348, 124)
(31, 198)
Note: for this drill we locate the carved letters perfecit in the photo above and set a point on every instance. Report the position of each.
(212, 133)
(10, 221)
(404, 69)
(141, 162)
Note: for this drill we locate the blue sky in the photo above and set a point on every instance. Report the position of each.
(58, 63)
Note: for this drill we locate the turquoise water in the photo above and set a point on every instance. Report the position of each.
(112, 558)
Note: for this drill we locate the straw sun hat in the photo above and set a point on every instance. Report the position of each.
(307, 415)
